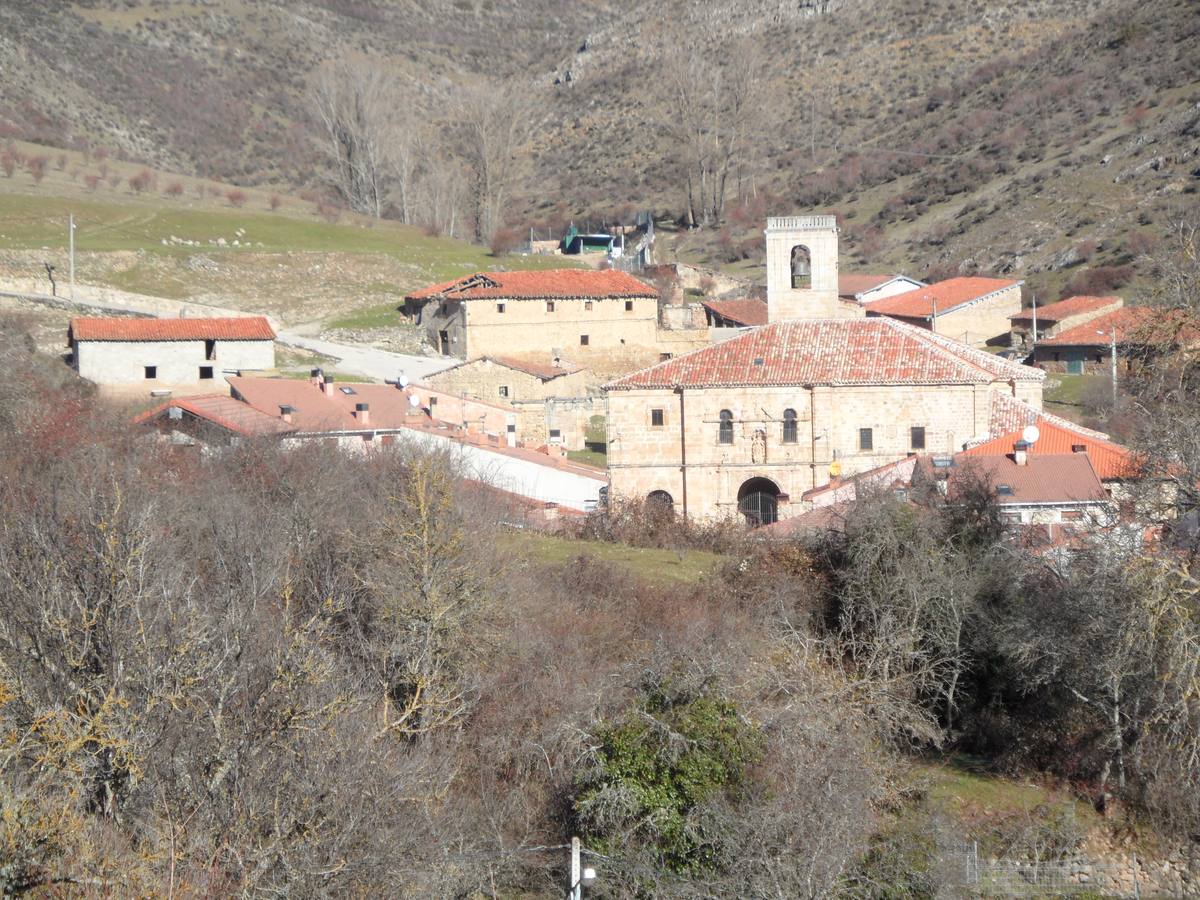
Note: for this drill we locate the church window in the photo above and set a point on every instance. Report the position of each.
(725, 429)
(789, 426)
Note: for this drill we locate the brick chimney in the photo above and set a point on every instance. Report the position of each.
(362, 411)
(314, 377)
(1021, 453)
(327, 385)
(285, 412)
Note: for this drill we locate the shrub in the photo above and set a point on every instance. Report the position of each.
(61, 162)
(141, 181)
(92, 181)
(1098, 281)
(658, 763)
(174, 189)
(506, 240)
(8, 163)
(36, 167)
(275, 202)
(236, 197)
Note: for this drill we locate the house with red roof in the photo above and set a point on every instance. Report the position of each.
(564, 313)
(162, 353)
(1135, 331)
(1053, 319)
(747, 426)
(478, 440)
(973, 310)
(859, 287)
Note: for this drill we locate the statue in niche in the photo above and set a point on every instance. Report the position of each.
(758, 447)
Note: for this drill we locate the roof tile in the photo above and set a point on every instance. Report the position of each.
(116, 328)
(947, 295)
(539, 285)
(830, 351)
(1064, 309)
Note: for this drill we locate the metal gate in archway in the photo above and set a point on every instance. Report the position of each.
(758, 501)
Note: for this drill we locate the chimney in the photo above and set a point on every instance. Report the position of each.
(1021, 453)
(327, 385)
(285, 412)
(510, 431)
(363, 412)
(314, 377)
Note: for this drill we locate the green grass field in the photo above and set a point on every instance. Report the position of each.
(290, 262)
(658, 566)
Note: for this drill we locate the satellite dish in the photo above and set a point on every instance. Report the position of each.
(414, 401)
(402, 380)
(1030, 434)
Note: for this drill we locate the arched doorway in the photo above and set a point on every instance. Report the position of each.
(660, 501)
(758, 501)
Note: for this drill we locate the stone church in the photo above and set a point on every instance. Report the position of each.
(747, 426)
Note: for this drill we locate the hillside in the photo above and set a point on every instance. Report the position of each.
(209, 242)
(1049, 140)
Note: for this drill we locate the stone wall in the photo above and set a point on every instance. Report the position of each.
(644, 457)
(986, 320)
(532, 326)
(176, 362)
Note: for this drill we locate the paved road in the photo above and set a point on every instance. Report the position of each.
(361, 360)
(355, 359)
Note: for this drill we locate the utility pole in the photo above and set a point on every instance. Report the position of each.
(71, 236)
(1035, 320)
(1113, 354)
(576, 871)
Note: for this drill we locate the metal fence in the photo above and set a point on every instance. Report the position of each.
(965, 874)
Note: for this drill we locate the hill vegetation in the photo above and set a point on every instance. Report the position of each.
(1052, 141)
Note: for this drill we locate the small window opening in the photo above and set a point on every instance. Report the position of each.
(206, 372)
(866, 439)
(504, 390)
(151, 371)
(725, 429)
(583, 340)
(587, 305)
(549, 306)
(628, 306)
(210, 350)
(917, 437)
(499, 307)
(789, 426)
(801, 268)
(657, 418)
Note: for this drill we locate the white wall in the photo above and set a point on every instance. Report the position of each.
(178, 362)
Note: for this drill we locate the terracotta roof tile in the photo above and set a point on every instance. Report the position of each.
(1140, 324)
(545, 371)
(1010, 414)
(947, 295)
(1061, 478)
(1064, 309)
(743, 311)
(225, 411)
(1110, 460)
(853, 283)
(834, 351)
(115, 328)
(538, 285)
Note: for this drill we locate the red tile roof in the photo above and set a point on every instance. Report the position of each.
(1010, 414)
(1064, 309)
(1110, 460)
(223, 410)
(1062, 478)
(947, 295)
(832, 351)
(1138, 324)
(547, 284)
(545, 371)
(743, 311)
(851, 284)
(115, 328)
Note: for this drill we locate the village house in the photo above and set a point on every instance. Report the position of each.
(1136, 332)
(163, 353)
(566, 313)
(556, 402)
(972, 310)
(744, 312)
(1053, 319)
(478, 442)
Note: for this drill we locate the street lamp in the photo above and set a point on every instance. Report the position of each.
(1113, 359)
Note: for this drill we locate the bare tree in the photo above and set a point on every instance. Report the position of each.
(355, 104)
(495, 123)
(716, 105)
